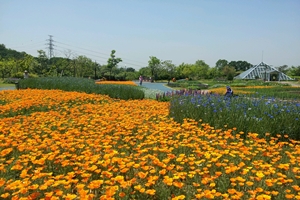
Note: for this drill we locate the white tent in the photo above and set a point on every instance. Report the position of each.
(265, 72)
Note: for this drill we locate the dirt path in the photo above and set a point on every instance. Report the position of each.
(292, 83)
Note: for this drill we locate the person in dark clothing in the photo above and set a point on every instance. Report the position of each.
(229, 92)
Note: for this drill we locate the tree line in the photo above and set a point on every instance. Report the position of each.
(14, 63)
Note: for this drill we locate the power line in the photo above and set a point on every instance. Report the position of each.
(97, 56)
(62, 49)
(79, 52)
(138, 63)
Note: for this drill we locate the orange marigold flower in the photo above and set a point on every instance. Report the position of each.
(263, 197)
(231, 191)
(2, 181)
(180, 197)
(5, 152)
(5, 195)
(33, 187)
(95, 184)
(218, 173)
(150, 192)
(260, 174)
(142, 175)
(249, 183)
(289, 196)
(178, 184)
(70, 196)
(122, 194)
(58, 192)
(259, 189)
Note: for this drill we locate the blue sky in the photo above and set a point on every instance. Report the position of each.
(182, 31)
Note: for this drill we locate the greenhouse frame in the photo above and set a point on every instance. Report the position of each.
(264, 72)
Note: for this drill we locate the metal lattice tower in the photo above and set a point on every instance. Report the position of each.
(51, 45)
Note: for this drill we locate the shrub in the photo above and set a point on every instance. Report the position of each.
(82, 85)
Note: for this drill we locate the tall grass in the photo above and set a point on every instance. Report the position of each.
(83, 85)
(244, 114)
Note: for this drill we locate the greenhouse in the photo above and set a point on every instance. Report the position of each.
(264, 72)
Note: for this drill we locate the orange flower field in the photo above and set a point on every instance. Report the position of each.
(117, 82)
(239, 90)
(70, 145)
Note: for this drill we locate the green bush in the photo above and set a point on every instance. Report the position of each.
(82, 85)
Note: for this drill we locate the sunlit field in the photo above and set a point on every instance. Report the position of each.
(277, 91)
(69, 145)
(117, 82)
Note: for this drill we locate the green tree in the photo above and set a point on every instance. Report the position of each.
(240, 65)
(130, 69)
(169, 69)
(294, 71)
(283, 68)
(188, 71)
(154, 65)
(214, 73)
(179, 71)
(221, 63)
(144, 71)
(27, 63)
(6, 53)
(229, 72)
(7, 67)
(201, 69)
(112, 62)
(42, 67)
(61, 66)
(84, 67)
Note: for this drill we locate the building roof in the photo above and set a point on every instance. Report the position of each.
(261, 71)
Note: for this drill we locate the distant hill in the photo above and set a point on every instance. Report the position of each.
(10, 53)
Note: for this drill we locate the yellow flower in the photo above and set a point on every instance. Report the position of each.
(260, 174)
(150, 192)
(95, 184)
(70, 196)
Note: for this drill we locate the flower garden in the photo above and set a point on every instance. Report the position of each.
(57, 144)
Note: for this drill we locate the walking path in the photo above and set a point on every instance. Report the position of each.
(155, 86)
(292, 83)
(8, 88)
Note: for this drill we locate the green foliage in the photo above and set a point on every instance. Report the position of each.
(245, 114)
(82, 85)
(112, 62)
(240, 65)
(221, 63)
(229, 72)
(280, 92)
(188, 84)
(154, 65)
(9, 53)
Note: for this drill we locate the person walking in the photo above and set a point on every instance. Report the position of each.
(141, 80)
